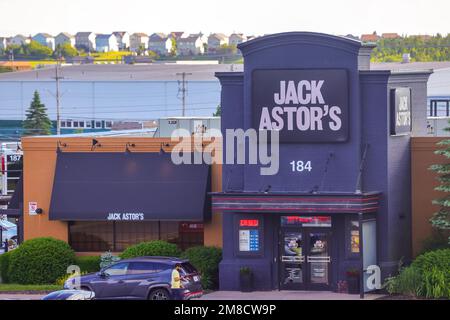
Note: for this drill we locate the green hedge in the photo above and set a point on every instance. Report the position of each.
(206, 260)
(151, 248)
(40, 261)
(4, 266)
(88, 264)
(428, 276)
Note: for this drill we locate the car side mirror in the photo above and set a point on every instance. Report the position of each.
(102, 274)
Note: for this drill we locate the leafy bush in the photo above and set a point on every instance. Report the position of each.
(408, 282)
(206, 260)
(151, 248)
(427, 276)
(40, 261)
(88, 264)
(434, 242)
(4, 266)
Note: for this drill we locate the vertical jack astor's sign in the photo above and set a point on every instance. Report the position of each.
(304, 105)
(400, 111)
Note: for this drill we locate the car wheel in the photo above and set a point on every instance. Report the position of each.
(159, 294)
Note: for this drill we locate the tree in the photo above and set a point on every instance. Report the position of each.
(65, 50)
(218, 112)
(38, 50)
(441, 219)
(37, 121)
(173, 49)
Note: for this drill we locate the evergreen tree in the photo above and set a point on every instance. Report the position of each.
(37, 121)
(441, 219)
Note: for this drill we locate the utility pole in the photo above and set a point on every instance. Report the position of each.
(182, 88)
(12, 59)
(57, 96)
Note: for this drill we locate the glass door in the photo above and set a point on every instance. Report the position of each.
(292, 260)
(318, 259)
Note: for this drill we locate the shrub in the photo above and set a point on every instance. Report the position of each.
(427, 276)
(88, 264)
(40, 261)
(435, 285)
(151, 248)
(206, 260)
(437, 258)
(4, 266)
(434, 242)
(408, 282)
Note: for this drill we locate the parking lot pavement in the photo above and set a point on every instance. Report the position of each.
(20, 296)
(284, 295)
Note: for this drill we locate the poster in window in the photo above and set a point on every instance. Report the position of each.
(248, 240)
(354, 241)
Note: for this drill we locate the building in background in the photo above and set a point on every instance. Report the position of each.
(123, 40)
(3, 43)
(194, 44)
(237, 38)
(19, 40)
(160, 43)
(63, 38)
(215, 40)
(85, 41)
(138, 41)
(45, 39)
(106, 43)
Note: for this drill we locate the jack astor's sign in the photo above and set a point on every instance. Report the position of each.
(303, 105)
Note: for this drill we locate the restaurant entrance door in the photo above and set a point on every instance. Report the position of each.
(305, 262)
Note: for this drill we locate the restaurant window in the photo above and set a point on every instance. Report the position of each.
(352, 237)
(119, 235)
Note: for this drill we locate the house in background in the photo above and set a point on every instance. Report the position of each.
(390, 35)
(178, 34)
(160, 43)
(45, 39)
(63, 38)
(138, 41)
(3, 43)
(215, 40)
(194, 44)
(373, 37)
(106, 43)
(123, 39)
(19, 40)
(85, 41)
(236, 38)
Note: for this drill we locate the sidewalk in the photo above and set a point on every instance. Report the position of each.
(284, 295)
(20, 296)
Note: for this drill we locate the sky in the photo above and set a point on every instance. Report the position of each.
(252, 17)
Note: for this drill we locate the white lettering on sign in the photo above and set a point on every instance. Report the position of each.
(125, 216)
(403, 117)
(303, 117)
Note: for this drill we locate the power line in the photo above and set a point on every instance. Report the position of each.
(183, 89)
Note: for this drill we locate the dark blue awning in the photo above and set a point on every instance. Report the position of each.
(128, 187)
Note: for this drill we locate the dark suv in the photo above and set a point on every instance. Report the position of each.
(143, 278)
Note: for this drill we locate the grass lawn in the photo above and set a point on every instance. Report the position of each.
(110, 56)
(11, 287)
(35, 63)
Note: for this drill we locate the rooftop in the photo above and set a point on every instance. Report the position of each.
(124, 72)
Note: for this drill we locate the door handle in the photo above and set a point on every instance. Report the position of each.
(121, 281)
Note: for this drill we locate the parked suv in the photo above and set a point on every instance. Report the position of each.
(142, 278)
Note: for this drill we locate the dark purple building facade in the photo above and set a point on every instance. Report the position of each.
(340, 202)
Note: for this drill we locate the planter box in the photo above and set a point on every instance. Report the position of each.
(353, 285)
(246, 282)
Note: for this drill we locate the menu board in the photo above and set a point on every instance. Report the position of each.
(248, 240)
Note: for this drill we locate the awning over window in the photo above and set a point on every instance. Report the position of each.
(128, 187)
